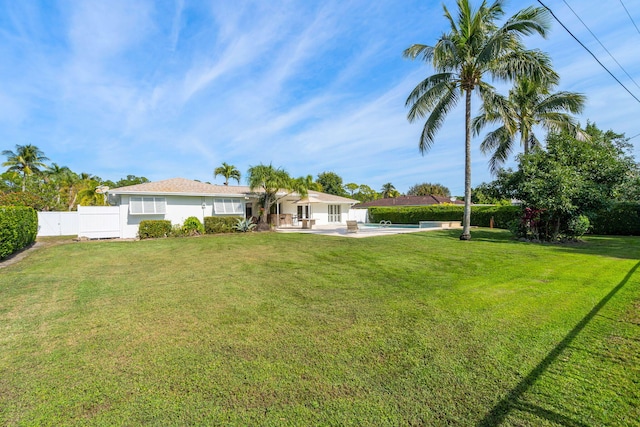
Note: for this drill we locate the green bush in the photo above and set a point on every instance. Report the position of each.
(578, 226)
(502, 215)
(480, 215)
(622, 219)
(18, 228)
(154, 228)
(220, 224)
(22, 198)
(192, 226)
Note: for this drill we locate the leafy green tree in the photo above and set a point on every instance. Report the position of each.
(27, 160)
(474, 49)
(389, 191)
(331, 183)
(228, 171)
(351, 187)
(366, 194)
(530, 103)
(270, 181)
(10, 181)
(573, 177)
(429, 189)
(129, 180)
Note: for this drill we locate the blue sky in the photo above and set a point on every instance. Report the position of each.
(174, 88)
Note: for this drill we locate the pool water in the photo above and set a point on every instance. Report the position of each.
(373, 225)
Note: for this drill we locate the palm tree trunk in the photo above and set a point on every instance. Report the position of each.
(524, 139)
(466, 219)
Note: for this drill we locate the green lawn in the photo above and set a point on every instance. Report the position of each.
(287, 329)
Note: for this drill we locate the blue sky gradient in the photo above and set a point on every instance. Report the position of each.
(174, 88)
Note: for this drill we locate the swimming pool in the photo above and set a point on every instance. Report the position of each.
(373, 225)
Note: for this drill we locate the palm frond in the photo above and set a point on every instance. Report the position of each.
(446, 103)
(563, 101)
(427, 94)
(417, 50)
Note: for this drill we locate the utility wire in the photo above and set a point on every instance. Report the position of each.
(628, 14)
(598, 40)
(587, 49)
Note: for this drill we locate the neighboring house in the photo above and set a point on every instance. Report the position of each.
(178, 198)
(409, 201)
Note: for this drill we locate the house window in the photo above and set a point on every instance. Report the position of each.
(228, 206)
(147, 205)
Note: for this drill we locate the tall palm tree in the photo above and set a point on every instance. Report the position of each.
(228, 171)
(475, 49)
(388, 191)
(529, 104)
(27, 160)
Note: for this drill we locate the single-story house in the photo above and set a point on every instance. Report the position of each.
(178, 198)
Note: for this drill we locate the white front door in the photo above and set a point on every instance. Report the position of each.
(334, 213)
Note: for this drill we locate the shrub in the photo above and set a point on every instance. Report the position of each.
(154, 228)
(244, 225)
(192, 226)
(220, 224)
(578, 226)
(18, 228)
(621, 219)
(22, 198)
(502, 215)
(480, 215)
(177, 231)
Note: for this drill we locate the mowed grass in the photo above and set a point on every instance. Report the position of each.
(286, 329)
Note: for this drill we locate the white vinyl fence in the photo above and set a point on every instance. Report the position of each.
(360, 215)
(99, 222)
(58, 223)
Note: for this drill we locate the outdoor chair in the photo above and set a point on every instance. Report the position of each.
(352, 226)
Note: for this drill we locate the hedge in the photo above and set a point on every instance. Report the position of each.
(480, 215)
(18, 228)
(220, 224)
(621, 219)
(154, 228)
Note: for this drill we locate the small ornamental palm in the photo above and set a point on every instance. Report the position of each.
(475, 49)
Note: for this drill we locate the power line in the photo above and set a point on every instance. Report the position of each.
(598, 40)
(629, 15)
(587, 49)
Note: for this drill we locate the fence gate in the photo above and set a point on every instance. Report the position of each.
(99, 222)
(57, 223)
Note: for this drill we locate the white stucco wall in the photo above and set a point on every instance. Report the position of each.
(178, 209)
(318, 211)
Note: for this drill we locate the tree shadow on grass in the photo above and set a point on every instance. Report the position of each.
(513, 400)
(624, 247)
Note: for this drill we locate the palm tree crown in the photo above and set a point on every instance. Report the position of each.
(228, 171)
(530, 103)
(475, 49)
(27, 160)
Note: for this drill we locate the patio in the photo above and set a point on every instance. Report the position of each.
(340, 230)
